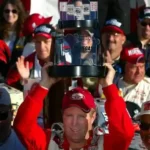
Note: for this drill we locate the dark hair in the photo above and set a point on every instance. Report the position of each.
(4, 26)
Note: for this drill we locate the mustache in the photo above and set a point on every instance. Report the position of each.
(110, 42)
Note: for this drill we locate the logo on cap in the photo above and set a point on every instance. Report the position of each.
(43, 29)
(114, 22)
(77, 96)
(134, 51)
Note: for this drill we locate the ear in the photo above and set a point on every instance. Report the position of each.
(123, 39)
(93, 117)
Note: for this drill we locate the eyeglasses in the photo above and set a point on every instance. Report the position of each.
(144, 24)
(7, 11)
(144, 126)
(4, 115)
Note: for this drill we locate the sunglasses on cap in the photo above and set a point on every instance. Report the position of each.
(7, 11)
(4, 115)
(144, 24)
(144, 126)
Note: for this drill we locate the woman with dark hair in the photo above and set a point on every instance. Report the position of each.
(12, 15)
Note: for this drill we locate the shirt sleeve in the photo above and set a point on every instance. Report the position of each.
(120, 126)
(25, 123)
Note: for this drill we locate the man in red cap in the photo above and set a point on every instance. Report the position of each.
(44, 45)
(113, 38)
(134, 85)
(30, 24)
(78, 112)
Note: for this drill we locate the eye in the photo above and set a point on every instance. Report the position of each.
(82, 116)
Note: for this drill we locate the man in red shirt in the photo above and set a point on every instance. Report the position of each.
(78, 111)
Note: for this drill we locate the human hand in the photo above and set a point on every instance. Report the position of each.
(108, 80)
(23, 68)
(107, 57)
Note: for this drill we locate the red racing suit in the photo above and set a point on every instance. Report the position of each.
(35, 138)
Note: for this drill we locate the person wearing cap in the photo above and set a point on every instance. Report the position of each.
(114, 9)
(8, 137)
(31, 22)
(144, 122)
(78, 112)
(113, 38)
(44, 48)
(82, 52)
(141, 38)
(134, 85)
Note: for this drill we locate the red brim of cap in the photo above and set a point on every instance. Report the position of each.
(137, 60)
(48, 36)
(112, 28)
(47, 20)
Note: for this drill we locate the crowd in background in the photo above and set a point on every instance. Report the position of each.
(27, 43)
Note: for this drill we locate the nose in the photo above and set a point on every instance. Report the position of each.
(42, 45)
(110, 37)
(74, 121)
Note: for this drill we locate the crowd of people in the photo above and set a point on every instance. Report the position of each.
(66, 113)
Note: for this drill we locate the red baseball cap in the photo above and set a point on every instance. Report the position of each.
(132, 55)
(45, 30)
(33, 21)
(113, 25)
(79, 97)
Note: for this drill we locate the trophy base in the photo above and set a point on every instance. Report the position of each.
(71, 24)
(78, 71)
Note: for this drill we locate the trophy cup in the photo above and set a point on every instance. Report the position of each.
(77, 51)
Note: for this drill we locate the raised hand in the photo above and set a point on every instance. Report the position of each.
(108, 80)
(23, 68)
(107, 57)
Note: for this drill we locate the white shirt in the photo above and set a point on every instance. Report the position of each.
(137, 93)
(12, 143)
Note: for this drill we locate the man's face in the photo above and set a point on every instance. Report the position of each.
(144, 29)
(43, 47)
(113, 41)
(5, 121)
(145, 133)
(134, 73)
(87, 40)
(76, 124)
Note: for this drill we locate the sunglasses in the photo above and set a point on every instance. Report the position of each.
(144, 24)
(4, 115)
(144, 126)
(7, 11)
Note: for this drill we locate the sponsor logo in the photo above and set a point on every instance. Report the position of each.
(134, 51)
(43, 29)
(114, 22)
(77, 96)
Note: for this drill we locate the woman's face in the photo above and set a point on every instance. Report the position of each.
(10, 13)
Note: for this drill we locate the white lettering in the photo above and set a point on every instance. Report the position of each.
(43, 29)
(77, 96)
(114, 22)
(134, 51)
